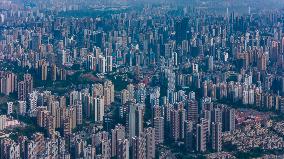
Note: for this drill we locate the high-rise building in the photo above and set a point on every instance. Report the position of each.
(155, 96)
(216, 115)
(281, 104)
(22, 107)
(8, 83)
(123, 149)
(108, 92)
(210, 63)
(25, 87)
(79, 146)
(91, 62)
(251, 96)
(139, 119)
(150, 142)
(124, 96)
(157, 111)
(75, 96)
(131, 88)
(9, 149)
(22, 91)
(28, 79)
(192, 110)
(101, 64)
(204, 89)
(3, 119)
(51, 124)
(245, 97)
(228, 119)
(67, 126)
(42, 116)
(109, 64)
(62, 102)
(117, 134)
(216, 136)
(262, 62)
(171, 76)
(189, 136)
(131, 122)
(138, 147)
(62, 57)
(258, 97)
(44, 72)
(56, 113)
(79, 111)
(97, 90)
(140, 93)
(99, 108)
(106, 149)
(2, 18)
(72, 116)
(87, 105)
(159, 129)
(177, 118)
(135, 118)
(10, 108)
(36, 41)
(201, 135)
(62, 73)
(33, 102)
(274, 52)
(53, 72)
(90, 152)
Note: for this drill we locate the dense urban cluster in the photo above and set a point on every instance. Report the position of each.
(115, 80)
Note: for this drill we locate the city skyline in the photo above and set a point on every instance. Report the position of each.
(141, 79)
